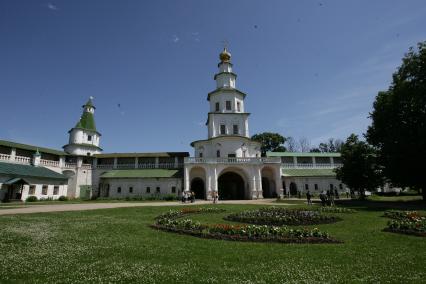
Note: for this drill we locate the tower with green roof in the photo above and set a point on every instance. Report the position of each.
(83, 137)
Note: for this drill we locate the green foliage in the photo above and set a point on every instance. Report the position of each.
(407, 222)
(330, 146)
(31, 198)
(270, 142)
(398, 128)
(334, 209)
(63, 198)
(359, 171)
(282, 216)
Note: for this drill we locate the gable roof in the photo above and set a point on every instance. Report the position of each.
(31, 147)
(19, 170)
(143, 173)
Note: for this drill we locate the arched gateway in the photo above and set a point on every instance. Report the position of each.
(231, 186)
(197, 186)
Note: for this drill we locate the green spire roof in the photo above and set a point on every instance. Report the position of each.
(87, 121)
(89, 103)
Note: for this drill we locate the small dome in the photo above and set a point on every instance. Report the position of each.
(225, 56)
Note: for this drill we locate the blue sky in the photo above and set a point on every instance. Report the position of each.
(309, 68)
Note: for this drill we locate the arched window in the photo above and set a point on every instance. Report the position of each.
(218, 153)
(217, 106)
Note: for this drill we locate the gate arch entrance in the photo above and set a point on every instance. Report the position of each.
(197, 186)
(231, 186)
(293, 189)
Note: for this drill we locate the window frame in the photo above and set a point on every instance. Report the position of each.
(228, 105)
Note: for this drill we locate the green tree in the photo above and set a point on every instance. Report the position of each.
(359, 171)
(398, 128)
(271, 142)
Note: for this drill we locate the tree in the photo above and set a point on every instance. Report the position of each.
(271, 142)
(291, 144)
(360, 170)
(330, 146)
(398, 128)
(304, 144)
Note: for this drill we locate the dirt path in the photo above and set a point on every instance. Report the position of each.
(93, 206)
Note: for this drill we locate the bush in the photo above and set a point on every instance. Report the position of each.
(31, 198)
(62, 198)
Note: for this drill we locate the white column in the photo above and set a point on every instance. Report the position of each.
(314, 162)
(295, 161)
(278, 182)
(332, 161)
(259, 184)
(176, 163)
(12, 154)
(186, 179)
(156, 162)
(136, 162)
(62, 161)
(115, 163)
(209, 183)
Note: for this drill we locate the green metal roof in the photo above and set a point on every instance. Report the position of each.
(31, 148)
(18, 170)
(84, 144)
(143, 173)
(90, 103)
(87, 122)
(308, 172)
(142, 155)
(301, 154)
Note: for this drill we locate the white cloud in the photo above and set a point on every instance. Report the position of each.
(52, 7)
(175, 39)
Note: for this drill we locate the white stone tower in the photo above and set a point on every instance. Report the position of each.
(84, 138)
(227, 121)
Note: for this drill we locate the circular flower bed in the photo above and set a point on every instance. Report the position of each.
(171, 222)
(406, 222)
(333, 209)
(281, 216)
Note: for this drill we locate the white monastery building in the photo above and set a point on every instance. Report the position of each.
(227, 163)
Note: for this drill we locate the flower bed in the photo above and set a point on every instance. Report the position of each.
(259, 233)
(406, 222)
(281, 216)
(333, 209)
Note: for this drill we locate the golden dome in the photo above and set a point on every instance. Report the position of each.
(225, 56)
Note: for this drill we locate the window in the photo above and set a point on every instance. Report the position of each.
(306, 186)
(222, 129)
(218, 153)
(157, 190)
(244, 153)
(31, 191)
(316, 186)
(238, 106)
(56, 190)
(88, 154)
(119, 189)
(331, 186)
(340, 186)
(89, 137)
(173, 189)
(44, 190)
(131, 189)
(235, 129)
(200, 154)
(217, 106)
(231, 155)
(148, 189)
(228, 105)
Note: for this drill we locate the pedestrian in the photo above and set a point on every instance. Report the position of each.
(336, 194)
(192, 197)
(308, 197)
(214, 197)
(183, 197)
(323, 198)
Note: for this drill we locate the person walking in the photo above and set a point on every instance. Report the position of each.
(308, 197)
(214, 197)
(192, 197)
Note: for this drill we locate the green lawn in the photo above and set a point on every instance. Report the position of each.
(117, 245)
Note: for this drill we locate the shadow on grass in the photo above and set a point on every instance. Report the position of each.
(375, 205)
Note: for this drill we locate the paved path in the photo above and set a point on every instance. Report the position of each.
(93, 206)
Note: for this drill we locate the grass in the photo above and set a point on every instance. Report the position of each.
(7, 205)
(116, 245)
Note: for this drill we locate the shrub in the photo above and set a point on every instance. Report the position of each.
(333, 209)
(406, 222)
(31, 198)
(62, 198)
(282, 216)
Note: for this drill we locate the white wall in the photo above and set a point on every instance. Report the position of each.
(140, 185)
(227, 145)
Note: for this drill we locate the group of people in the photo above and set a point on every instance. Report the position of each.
(326, 197)
(188, 196)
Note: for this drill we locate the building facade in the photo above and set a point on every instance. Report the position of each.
(227, 163)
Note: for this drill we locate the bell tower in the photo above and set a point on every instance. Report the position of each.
(83, 137)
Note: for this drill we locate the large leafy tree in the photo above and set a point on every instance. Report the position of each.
(398, 127)
(271, 142)
(359, 171)
(330, 146)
